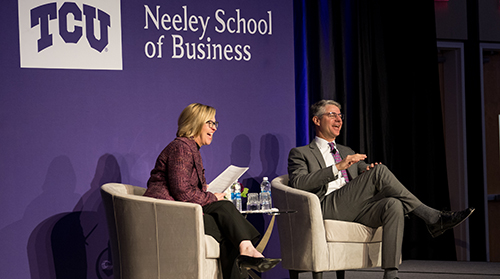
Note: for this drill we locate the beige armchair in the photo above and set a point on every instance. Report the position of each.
(309, 243)
(154, 238)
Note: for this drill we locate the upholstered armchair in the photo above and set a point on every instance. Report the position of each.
(309, 243)
(154, 238)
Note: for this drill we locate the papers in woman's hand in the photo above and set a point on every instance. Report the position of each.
(226, 178)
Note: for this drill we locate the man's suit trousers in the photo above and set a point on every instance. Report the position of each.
(375, 198)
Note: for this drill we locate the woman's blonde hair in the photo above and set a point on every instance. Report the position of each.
(192, 119)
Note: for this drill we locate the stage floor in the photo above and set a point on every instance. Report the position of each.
(412, 269)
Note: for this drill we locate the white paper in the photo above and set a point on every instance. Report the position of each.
(226, 178)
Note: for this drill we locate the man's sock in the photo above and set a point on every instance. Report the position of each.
(428, 214)
(390, 273)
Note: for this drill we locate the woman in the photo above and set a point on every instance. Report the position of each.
(179, 175)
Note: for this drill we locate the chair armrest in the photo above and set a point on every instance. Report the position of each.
(165, 238)
(302, 234)
(181, 232)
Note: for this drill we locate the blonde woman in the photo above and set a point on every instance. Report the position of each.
(179, 175)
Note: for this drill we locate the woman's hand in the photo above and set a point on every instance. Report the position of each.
(220, 196)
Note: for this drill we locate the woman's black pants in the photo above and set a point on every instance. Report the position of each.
(226, 224)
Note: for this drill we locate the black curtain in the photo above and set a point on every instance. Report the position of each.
(379, 60)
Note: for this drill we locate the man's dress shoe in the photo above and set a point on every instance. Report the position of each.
(258, 264)
(448, 220)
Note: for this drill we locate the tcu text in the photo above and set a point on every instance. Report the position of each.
(41, 15)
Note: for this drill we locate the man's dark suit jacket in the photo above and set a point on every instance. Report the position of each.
(307, 169)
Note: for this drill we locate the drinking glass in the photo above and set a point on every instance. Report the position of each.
(253, 202)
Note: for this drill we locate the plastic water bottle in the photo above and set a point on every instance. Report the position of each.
(265, 194)
(236, 196)
(265, 186)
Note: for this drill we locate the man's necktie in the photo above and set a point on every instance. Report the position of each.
(336, 157)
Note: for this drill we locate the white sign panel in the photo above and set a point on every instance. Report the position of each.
(80, 34)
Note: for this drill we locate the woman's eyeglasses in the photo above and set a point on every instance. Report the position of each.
(212, 124)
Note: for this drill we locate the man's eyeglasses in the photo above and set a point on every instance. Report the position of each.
(212, 124)
(334, 115)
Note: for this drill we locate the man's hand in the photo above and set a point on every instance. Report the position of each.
(372, 165)
(349, 160)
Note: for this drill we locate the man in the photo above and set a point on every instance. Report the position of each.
(352, 190)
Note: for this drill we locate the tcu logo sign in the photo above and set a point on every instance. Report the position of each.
(70, 34)
(43, 14)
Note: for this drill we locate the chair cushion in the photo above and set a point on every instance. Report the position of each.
(341, 231)
(211, 247)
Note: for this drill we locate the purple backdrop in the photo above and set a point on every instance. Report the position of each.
(66, 131)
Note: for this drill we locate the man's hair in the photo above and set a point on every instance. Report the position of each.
(192, 119)
(318, 108)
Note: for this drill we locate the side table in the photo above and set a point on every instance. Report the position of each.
(265, 239)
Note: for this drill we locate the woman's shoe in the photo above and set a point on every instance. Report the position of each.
(257, 264)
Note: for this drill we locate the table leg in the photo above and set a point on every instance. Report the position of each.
(267, 235)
